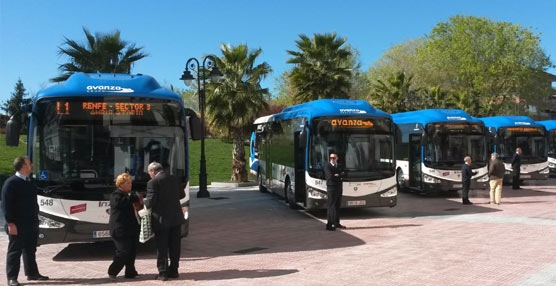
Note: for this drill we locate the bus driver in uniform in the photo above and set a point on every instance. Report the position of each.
(333, 174)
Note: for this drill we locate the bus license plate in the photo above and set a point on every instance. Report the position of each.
(101, 233)
(356, 203)
(457, 185)
(525, 176)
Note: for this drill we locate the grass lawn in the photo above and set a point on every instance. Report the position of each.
(218, 155)
(8, 154)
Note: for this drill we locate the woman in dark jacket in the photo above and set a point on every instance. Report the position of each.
(124, 227)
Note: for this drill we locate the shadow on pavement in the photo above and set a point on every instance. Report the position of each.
(240, 222)
(235, 274)
(198, 276)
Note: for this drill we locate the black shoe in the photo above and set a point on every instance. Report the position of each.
(467, 203)
(331, 228)
(161, 277)
(340, 226)
(37, 277)
(173, 275)
(112, 277)
(13, 282)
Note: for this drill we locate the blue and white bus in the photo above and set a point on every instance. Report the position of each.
(550, 126)
(87, 130)
(508, 132)
(431, 145)
(291, 148)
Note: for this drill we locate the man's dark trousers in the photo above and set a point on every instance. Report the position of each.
(168, 240)
(515, 179)
(466, 184)
(334, 204)
(24, 243)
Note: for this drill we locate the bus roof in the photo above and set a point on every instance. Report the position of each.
(92, 84)
(325, 107)
(508, 121)
(548, 124)
(427, 116)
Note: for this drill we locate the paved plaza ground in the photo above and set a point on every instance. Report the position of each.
(243, 237)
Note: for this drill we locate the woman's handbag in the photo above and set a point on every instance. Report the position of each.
(146, 226)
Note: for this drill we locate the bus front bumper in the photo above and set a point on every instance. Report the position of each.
(372, 200)
(448, 186)
(78, 231)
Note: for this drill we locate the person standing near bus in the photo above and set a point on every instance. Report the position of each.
(21, 213)
(164, 192)
(466, 174)
(496, 172)
(124, 227)
(333, 174)
(516, 167)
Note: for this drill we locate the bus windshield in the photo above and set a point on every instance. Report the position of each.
(552, 143)
(83, 144)
(530, 139)
(364, 146)
(447, 144)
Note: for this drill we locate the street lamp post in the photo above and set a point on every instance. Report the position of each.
(187, 77)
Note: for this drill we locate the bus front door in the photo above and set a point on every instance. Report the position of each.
(415, 160)
(299, 166)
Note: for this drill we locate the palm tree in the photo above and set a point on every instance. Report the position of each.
(394, 95)
(323, 68)
(102, 53)
(235, 101)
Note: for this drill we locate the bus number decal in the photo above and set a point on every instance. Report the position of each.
(46, 202)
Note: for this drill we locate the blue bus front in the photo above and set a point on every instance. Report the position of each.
(80, 143)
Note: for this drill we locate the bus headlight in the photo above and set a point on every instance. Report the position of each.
(392, 192)
(483, 179)
(430, 179)
(314, 194)
(544, 171)
(45, 222)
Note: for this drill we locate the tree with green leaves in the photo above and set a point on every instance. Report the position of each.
(17, 100)
(235, 101)
(486, 62)
(105, 53)
(323, 68)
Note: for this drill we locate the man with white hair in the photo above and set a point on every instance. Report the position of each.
(466, 174)
(164, 192)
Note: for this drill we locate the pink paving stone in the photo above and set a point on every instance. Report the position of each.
(425, 240)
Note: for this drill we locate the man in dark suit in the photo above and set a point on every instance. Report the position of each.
(466, 174)
(164, 192)
(21, 212)
(333, 174)
(516, 166)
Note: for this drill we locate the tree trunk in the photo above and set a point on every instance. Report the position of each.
(239, 174)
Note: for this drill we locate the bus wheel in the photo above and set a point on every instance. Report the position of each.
(262, 189)
(399, 181)
(289, 195)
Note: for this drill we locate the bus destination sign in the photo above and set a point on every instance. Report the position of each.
(351, 123)
(103, 108)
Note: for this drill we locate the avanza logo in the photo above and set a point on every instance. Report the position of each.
(108, 88)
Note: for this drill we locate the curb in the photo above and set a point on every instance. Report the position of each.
(232, 184)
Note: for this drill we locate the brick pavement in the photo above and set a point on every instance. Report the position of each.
(250, 238)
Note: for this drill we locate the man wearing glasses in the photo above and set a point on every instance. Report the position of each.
(333, 174)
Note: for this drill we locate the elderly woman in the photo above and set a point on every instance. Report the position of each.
(124, 227)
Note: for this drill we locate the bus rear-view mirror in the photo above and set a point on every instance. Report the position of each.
(195, 127)
(12, 131)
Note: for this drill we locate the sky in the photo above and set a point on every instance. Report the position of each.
(172, 31)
